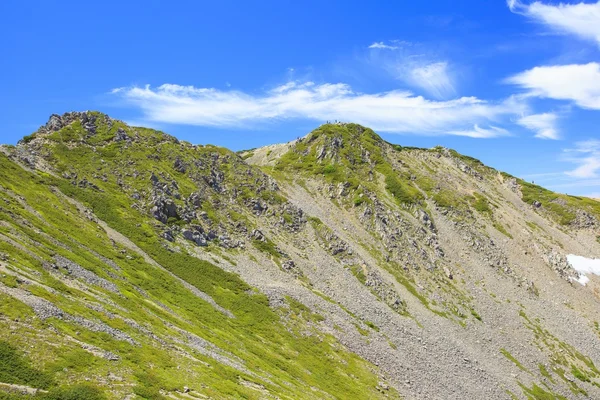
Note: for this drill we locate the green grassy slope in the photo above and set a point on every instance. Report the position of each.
(268, 350)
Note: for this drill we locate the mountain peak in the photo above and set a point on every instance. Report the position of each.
(56, 122)
(93, 128)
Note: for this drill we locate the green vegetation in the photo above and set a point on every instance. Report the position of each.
(363, 332)
(338, 153)
(303, 311)
(372, 326)
(448, 198)
(545, 373)
(563, 357)
(502, 229)
(560, 206)
(358, 272)
(16, 369)
(403, 191)
(476, 315)
(266, 246)
(76, 392)
(315, 221)
(579, 374)
(150, 296)
(507, 354)
(282, 347)
(470, 161)
(481, 204)
(247, 155)
(537, 393)
(9, 280)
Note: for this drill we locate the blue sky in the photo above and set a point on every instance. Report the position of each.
(515, 84)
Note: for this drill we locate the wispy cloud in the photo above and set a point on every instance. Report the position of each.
(581, 19)
(482, 133)
(587, 155)
(414, 65)
(434, 77)
(579, 83)
(393, 111)
(543, 124)
(382, 45)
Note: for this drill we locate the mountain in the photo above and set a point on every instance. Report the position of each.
(336, 266)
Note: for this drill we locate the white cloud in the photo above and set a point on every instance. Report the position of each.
(394, 111)
(582, 19)
(543, 124)
(418, 71)
(434, 77)
(579, 83)
(587, 155)
(482, 133)
(381, 45)
(415, 65)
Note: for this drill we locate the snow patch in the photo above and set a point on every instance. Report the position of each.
(584, 266)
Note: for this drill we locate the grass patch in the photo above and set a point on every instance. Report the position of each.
(15, 368)
(481, 204)
(545, 373)
(266, 246)
(75, 392)
(448, 199)
(537, 393)
(500, 228)
(509, 356)
(372, 326)
(560, 206)
(579, 374)
(476, 315)
(403, 191)
(359, 273)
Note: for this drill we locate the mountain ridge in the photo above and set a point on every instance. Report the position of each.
(421, 271)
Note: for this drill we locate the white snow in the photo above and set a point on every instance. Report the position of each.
(584, 266)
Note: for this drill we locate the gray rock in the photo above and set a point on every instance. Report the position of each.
(121, 135)
(163, 209)
(194, 236)
(78, 272)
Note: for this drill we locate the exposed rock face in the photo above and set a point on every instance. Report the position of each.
(57, 122)
(163, 209)
(54, 123)
(196, 236)
(585, 220)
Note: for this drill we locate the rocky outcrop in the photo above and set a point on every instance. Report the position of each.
(559, 264)
(163, 208)
(195, 235)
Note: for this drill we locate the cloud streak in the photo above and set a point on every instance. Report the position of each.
(581, 20)
(579, 83)
(381, 45)
(587, 155)
(393, 111)
(433, 77)
(415, 66)
(543, 124)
